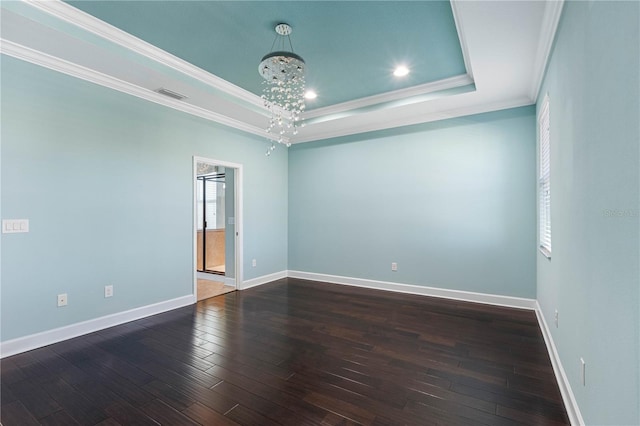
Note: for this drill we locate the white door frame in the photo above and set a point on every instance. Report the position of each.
(238, 217)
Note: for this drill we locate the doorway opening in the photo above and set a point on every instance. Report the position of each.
(216, 230)
(211, 199)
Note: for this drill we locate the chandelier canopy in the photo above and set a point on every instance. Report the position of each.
(283, 88)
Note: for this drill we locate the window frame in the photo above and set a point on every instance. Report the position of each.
(544, 179)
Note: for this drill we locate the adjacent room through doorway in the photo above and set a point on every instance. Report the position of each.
(215, 230)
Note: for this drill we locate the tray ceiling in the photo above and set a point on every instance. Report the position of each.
(465, 57)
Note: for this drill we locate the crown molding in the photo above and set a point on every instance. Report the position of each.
(457, 19)
(409, 120)
(70, 14)
(93, 25)
(409, 92)
(60, 65)
(550, 21)
(398, 108)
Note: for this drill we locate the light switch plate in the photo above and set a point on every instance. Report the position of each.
(14, 226)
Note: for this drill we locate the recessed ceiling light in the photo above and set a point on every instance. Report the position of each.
(310, 94)
(401, 71)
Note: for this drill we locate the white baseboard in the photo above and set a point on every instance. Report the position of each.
(467, 296)
(570, 403)
(230, 281)
(38, 340)
(253, 282)
(34, 341)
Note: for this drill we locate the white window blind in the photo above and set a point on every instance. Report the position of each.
(211, 195)
(544, 187)
(200, 200)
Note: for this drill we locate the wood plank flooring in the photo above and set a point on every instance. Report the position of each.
(295, 352)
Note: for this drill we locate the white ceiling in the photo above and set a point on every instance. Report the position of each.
(505, 46)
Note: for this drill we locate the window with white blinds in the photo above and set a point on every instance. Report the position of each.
(544, 187)
(211, 195)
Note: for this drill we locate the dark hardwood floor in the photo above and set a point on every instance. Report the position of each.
(295, 352)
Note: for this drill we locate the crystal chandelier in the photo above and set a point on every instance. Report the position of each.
(283, 89)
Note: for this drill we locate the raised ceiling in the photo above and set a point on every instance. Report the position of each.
(350, 48)
(465, 56)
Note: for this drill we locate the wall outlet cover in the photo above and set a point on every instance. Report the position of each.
(62, 299)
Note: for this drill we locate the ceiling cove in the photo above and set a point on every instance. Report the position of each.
(463, 57)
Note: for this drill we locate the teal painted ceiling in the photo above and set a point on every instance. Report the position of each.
(350, 47)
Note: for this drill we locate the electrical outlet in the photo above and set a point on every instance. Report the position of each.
(583, 372)
(108, 290)
(556, 318)
(394, 266)
(62, 299)
(254, 263)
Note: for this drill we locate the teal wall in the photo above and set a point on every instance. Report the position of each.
(106, 182)
(593, 276)
(452, 202)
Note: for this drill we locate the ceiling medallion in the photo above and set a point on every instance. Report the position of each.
(283, 89)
